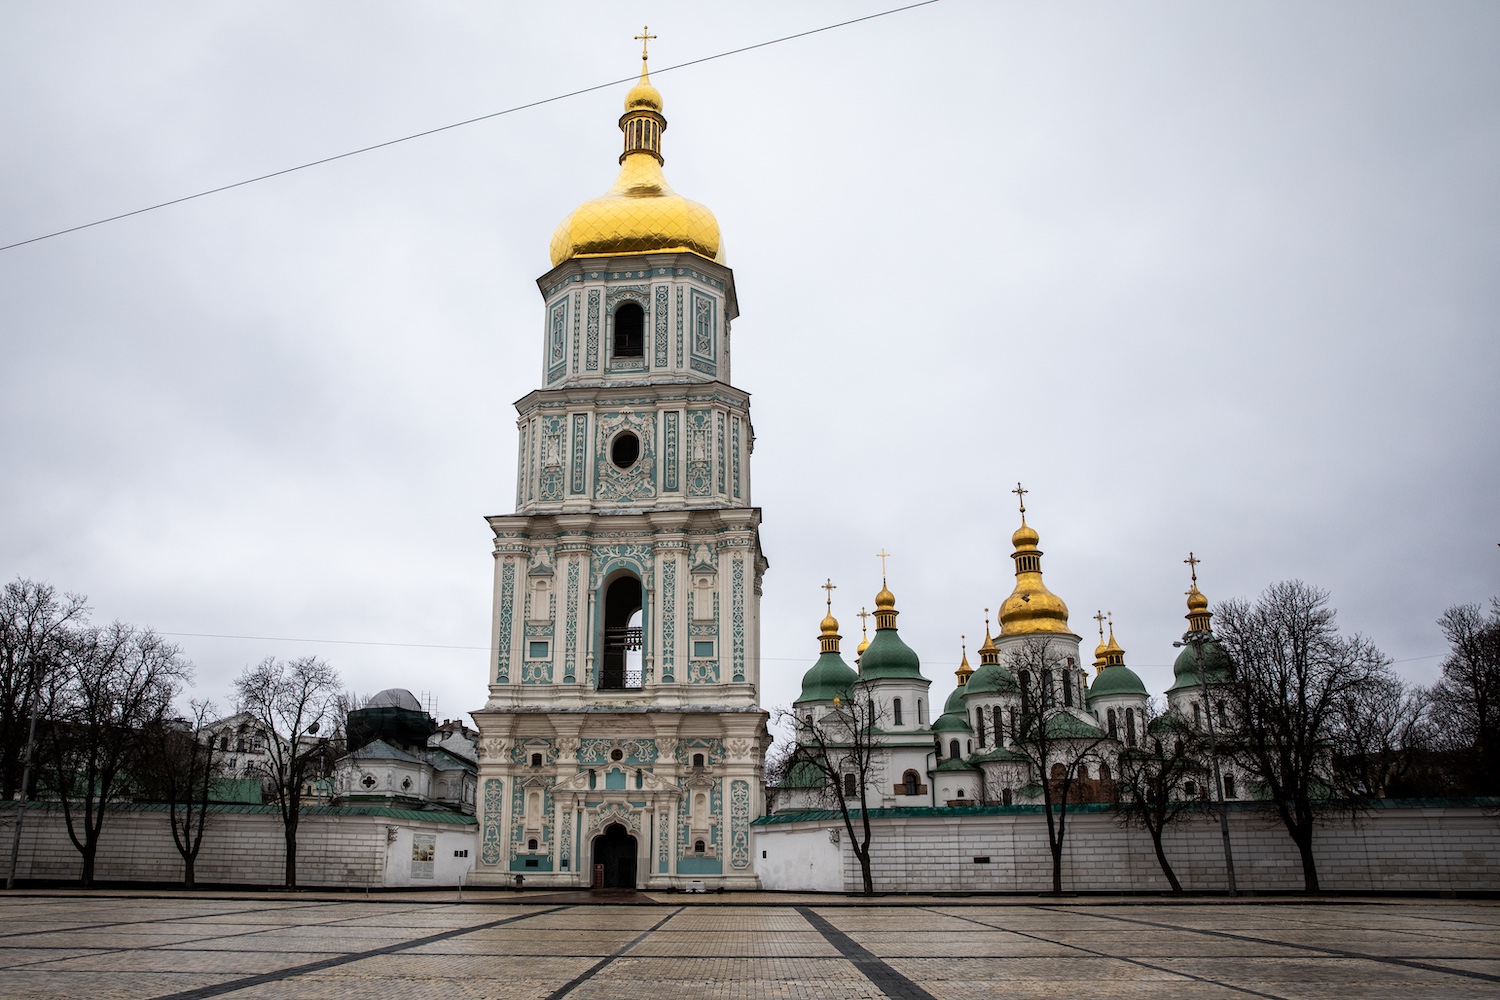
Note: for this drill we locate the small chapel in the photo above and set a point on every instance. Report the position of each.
(622, 744)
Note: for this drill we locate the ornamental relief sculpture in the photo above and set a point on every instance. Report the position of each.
(737, 749)
(493, 749)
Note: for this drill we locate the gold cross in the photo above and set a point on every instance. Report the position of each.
(863, 614)
(830, 586)
(1099, 617)
(1193, 562)
(884, 555)
(644, 38)
(1021, 493)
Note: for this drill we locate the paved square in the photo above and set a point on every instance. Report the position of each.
(505, 945)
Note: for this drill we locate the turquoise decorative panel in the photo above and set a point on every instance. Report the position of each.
(577, 317)
(719, 451)
(571, 652)
(494, 805)
(699, 453)
(679, 327)
(531, 464)
(660, 316)
(613, 484)
(591, 350)
(557, 340)
(670, 460)
(663, 845)
(703, 312)
(638, 753)
(608, 558)
(521, 469)
(580, 453)
(668, 618)
(518, 847)
(552, 429)
(507, 614)
(734, 454)
(738, 619)
(536, 671)
(739, 824)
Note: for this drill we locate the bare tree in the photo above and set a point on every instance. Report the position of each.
(291, 701)
(1293, 673)
(1154, 777)
(842, 745)
(1467, 697)
(180, 767)
(1381, 730)
(115, 682)
(1057, 744)
(33, 620)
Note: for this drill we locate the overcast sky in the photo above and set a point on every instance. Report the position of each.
(1210, 277)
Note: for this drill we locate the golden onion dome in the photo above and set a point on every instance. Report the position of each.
(864, 644)
(640, 213)
(885, 600)
(1196, 602)
(830, 625)
(1031, 608)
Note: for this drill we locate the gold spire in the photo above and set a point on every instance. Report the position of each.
(1031, 608)
(885, 601)
(989, 652)
(964, 671)
(864, 634)
(828, 637)
(1100, 661)
(1114, 656)
(641, 213)
(1198, 615)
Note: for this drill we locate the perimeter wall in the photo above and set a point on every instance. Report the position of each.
(1396, 846)
(245, 846)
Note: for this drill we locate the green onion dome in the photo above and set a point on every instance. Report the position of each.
(1117, 680)
(991, 678)
(888, 657)
(1216, 663)
(829, 678)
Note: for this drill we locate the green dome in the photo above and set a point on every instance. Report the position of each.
(829, 678)
(990, 678)
(951, 722)
(955, 703)
(953, 764)
(1217, 666)
(887, 657)
(1117, 680)
(1067, 726)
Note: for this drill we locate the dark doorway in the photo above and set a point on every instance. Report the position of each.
(622, 599)
(615, 850)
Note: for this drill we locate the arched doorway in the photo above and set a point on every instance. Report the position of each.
(615, 850)
(622, 634)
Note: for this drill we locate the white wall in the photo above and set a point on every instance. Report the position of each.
(241, 848)
(806, 858)
(1406, 849)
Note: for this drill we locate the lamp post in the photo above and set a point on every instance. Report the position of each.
(1197, 639)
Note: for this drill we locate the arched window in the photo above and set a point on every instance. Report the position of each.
(223, 742)
(531, 844)
(1113, 728)
(851, 787)
(953, 749)
(622, 601)
(1005, 796)
(1067, 686)
(1083, 772)
(896, 710)
(630, 331)
(1130, 727)
(697, 760)
(1059, 772)
(921, 713)
(1197, 716)
(1190, 789)
(699, 847)
(1025, 678)
(1229, 786)
(1104, 772)
(536, 760)
(960, 793)
(1219, 711)
(910, 783)
(979, 724)
(999, 719)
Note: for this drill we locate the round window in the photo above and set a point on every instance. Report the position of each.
(625, 449)
(616, 754)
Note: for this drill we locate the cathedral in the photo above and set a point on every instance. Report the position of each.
(621, 744)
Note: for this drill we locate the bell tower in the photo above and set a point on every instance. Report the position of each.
(622, 726)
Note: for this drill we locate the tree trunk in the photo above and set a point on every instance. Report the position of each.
(188, 862)
(1161, 859)
(291, 852)
(90, 847)
(864, 872)
(1304, 839)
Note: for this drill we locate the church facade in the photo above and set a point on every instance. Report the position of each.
(621, 743)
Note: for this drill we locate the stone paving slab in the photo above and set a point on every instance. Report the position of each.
(284, 945)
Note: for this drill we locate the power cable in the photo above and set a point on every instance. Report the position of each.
(467, 121)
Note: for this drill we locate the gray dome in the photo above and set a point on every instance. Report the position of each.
(395, 698)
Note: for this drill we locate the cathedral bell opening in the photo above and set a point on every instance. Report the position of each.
(620, 669)
(630, 331)
(614, 850)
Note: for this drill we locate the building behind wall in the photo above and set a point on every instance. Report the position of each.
(622, 730)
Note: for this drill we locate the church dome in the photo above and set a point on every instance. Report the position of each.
(829, 678)
(640, 213)
(1216, 663)
(1117, 680)
(395, 698)
(990, 678)
(889, 657)
(1031, 608)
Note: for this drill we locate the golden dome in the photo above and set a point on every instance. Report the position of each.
(885, 600)
(1031, 608)
(1196, 602)
(830, 625)
(640, 213)
(864, 644)
(964, 671)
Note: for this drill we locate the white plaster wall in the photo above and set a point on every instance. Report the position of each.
(805, 859)
(238, 848)
(1417, 849)
(447, 869)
